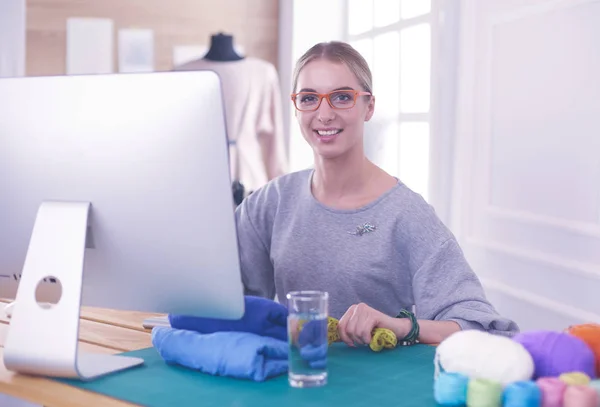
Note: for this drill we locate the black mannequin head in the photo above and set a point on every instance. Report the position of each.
(221, 49)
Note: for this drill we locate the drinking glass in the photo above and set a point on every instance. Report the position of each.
(307, 336)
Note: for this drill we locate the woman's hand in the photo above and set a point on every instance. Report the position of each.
(357, 324)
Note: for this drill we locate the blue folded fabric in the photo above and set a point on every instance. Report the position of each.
(316, 356)
(262, 317)
(240, 355)
(313, 344)
(313, 332)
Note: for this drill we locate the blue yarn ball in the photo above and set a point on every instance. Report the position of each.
(450, 389)
(522, 394)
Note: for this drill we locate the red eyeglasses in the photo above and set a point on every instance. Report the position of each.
(339, 99)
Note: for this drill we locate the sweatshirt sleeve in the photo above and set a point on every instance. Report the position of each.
(446, 288)
(253, 245)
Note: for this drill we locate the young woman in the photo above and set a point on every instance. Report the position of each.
(349, 228)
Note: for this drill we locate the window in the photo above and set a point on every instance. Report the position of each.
(394, 36)
(303, 15)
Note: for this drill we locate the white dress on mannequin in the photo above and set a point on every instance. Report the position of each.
(253, 109)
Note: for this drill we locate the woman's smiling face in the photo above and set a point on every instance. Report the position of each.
(332, 132)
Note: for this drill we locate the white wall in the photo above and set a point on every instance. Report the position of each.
(527, 174)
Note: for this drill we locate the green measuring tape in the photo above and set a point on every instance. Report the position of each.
(382, 338)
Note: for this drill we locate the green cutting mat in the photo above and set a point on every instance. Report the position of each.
(401, 377)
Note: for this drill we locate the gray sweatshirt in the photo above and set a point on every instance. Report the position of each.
(391, 254)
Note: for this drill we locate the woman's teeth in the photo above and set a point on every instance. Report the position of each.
(328, 132)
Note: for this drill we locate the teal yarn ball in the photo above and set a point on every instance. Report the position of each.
(595, 384)
(450, 389)
(522, 394)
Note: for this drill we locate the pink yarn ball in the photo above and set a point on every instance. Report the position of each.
(555, 353)
(580, 396)
(553, 391)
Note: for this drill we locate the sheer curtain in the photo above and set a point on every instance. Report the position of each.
(12, 38)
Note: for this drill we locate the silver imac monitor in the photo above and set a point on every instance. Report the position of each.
(115, 192)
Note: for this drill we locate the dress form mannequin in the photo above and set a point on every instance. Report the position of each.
(221, 49)
(253, 107)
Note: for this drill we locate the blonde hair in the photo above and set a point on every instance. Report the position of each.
(340, 52)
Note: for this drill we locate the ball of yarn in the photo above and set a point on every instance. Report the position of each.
(575, 378)
(590, 334)
(484, 393)
(481, 355)
(555, 353)
(595, 384)
(553, 391)
(522, 394)
(580, 396)
(450, 389)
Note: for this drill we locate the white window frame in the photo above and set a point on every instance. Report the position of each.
(398, 26)
(443, 22)
(444, 19)
(399, 117)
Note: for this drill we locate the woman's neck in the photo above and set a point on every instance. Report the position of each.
(341, 177)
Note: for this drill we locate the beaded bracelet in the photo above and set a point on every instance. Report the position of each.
(413, 335)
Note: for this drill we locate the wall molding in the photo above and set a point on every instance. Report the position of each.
(476, 222)
(483, 205)
(586, 229)
(574, 313)
(569, 266)
(491, 20)
(543, 7)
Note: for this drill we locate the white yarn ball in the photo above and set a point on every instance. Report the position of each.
(482, 355)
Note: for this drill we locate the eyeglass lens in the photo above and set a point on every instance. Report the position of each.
(339, 99)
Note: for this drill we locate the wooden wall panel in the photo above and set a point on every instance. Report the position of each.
(253, 23)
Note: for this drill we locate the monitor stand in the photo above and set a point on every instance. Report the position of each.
(44, 340)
